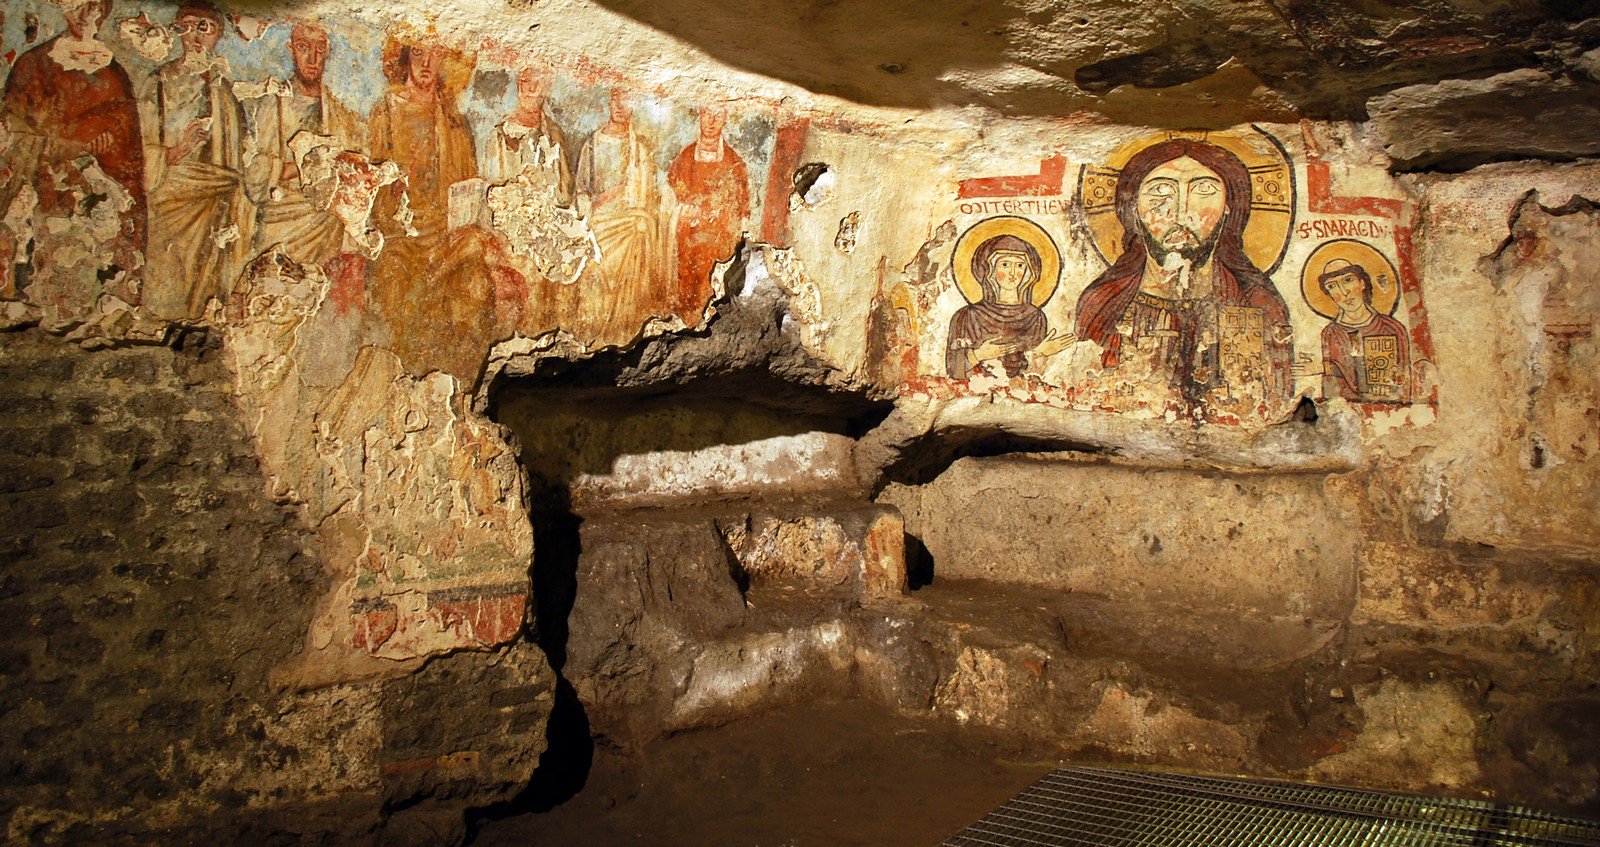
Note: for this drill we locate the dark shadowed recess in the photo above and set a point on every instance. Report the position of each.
(569, 752)
(931, 455)
(743, 379)
(567, 426)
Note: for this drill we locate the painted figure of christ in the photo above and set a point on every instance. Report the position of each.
(1185, 297)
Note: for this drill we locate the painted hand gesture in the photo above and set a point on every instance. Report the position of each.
(1055, 342)
(992, 348)
(194, 135)
(101, 143)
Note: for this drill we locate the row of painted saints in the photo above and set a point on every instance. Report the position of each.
(1185, 317)
(184, 178)
(160, 193)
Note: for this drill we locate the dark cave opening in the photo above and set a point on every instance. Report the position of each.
(575, 421)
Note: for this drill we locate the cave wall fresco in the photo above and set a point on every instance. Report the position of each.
(356, 149)
(1095, 336)
(415, 496)
(367, 211)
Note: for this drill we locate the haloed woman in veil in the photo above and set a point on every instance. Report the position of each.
(1006, 324)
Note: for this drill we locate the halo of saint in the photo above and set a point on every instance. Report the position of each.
(1347, 252)
(989, 229)
(1007, 267)
(1272, 193)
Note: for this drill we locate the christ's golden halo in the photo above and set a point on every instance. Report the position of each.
(1272, 192)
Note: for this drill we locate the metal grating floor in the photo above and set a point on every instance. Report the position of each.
(1099, 807)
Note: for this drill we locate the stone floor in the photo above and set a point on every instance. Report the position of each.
(848, 773)
(727, 745)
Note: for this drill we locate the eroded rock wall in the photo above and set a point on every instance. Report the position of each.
(379, 213)
(1417, 616)
(157, 593)
(1270, 545)
(1333, 428)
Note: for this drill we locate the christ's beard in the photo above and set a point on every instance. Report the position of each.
(1193, 251)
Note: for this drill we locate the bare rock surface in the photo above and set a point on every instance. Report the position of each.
(691, 619)
(1457, 124)
(850, 773)
(156, 588)
(1191, 63)
(1135, 533)
(585, 373)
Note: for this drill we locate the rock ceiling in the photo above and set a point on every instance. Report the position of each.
(1188, 62)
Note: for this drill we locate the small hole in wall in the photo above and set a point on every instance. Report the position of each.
(1306, 412)
(813, 183)
(1536, 457)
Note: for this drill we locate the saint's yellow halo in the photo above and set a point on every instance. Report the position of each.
(1272, 192)
(1385, 281)
(1028, 231)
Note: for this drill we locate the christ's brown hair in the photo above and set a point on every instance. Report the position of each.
(1229, 251)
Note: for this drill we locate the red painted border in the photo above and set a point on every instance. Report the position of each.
(1320, 199)
(1048, 181)
(786, 150)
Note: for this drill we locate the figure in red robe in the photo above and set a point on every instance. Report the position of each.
(713, 191)
(1365, 355)
(68, 99)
